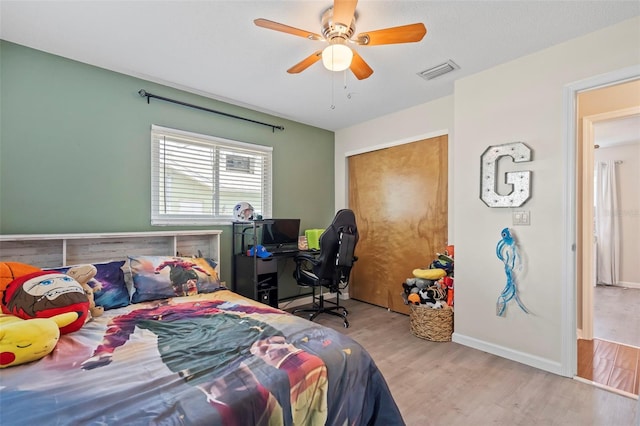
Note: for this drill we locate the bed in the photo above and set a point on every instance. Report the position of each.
(211, 358)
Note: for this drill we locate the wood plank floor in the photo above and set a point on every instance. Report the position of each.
(444, 383)
(612, 358)
(610, 364)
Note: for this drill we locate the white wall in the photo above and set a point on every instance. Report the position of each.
(628, 178)
(516, 101)
(410, 125)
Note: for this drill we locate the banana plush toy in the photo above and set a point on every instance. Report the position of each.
(24, 341)
(429, 274)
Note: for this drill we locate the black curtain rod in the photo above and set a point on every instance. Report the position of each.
(143, 93)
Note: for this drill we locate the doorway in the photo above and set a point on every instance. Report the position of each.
(594, 106)
(616, 295)
(571, 289)
(599, 360)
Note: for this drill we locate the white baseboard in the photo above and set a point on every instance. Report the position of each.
(521, 357)
(627, 284)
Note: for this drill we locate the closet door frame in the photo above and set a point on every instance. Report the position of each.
(404, 217)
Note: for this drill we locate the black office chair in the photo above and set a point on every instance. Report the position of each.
(331, 267)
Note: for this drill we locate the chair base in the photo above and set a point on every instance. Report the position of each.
(320, 308)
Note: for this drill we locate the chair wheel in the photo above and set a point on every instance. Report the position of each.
(345, 311)
(346, 324)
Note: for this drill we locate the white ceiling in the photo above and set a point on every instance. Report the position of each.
(214, 49)
(620, 131)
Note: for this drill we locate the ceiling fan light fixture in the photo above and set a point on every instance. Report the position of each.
(337, 57)
(339, 32)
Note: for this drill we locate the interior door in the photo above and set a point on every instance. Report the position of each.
(399, 197)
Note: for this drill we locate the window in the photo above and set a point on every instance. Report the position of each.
(198, 179)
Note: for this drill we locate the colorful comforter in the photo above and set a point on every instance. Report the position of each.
(214, 359)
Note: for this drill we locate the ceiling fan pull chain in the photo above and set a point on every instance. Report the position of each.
(345, 85)
(333, 105)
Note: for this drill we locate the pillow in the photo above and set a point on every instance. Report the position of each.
(9, 271)
(24, 341)
(161, 277)
(110, 276)
(44, 294)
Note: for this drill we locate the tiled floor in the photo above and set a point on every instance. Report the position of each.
(610, 364)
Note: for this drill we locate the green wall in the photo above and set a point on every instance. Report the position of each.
(75, 150)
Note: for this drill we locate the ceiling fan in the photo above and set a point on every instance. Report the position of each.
(338, 27)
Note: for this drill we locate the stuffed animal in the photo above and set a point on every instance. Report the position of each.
(423, 291)
(414, 298)
(429, 274)
(44, 294)
(9, 271)
(84, 275)
(421, 283)
(432, 294)
(24, 341)
(443, 261)
(408, 287)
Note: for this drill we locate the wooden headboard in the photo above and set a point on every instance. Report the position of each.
(55, 250)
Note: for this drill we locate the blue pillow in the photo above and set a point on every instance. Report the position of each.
(110, 276)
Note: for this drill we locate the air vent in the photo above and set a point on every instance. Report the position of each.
(438, 70)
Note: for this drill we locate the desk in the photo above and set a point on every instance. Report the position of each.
(257, 277)
(288, 288)
(294, 253)
(253, 276)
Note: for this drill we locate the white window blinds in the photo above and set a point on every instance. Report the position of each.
(198, 179)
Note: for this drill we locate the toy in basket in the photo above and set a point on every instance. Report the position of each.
(430, 296)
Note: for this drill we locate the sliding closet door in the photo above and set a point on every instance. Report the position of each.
(399, 196)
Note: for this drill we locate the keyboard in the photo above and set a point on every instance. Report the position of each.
(282, 250)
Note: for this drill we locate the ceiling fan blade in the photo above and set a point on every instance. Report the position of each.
(305, 63)
(265, 23)
(343, 11)
(359, 67)
(403, 34)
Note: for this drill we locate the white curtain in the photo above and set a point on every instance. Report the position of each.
(607, 224)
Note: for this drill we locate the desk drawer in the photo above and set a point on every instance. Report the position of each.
(266, 266)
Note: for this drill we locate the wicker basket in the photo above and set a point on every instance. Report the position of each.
(431, 324)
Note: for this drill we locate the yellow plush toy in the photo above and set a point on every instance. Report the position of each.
(429, 274)
(23, 341)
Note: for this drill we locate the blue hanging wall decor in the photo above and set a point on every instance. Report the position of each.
(507, 252)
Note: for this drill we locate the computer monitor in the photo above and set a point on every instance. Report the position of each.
(281, 233)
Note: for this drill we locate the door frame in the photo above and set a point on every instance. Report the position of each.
(411, 139)
(376, 169)
(568, 320)
(390, 144)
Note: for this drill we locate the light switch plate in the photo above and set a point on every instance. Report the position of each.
(521, 217)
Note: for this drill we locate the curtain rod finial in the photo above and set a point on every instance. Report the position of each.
(142, 93)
